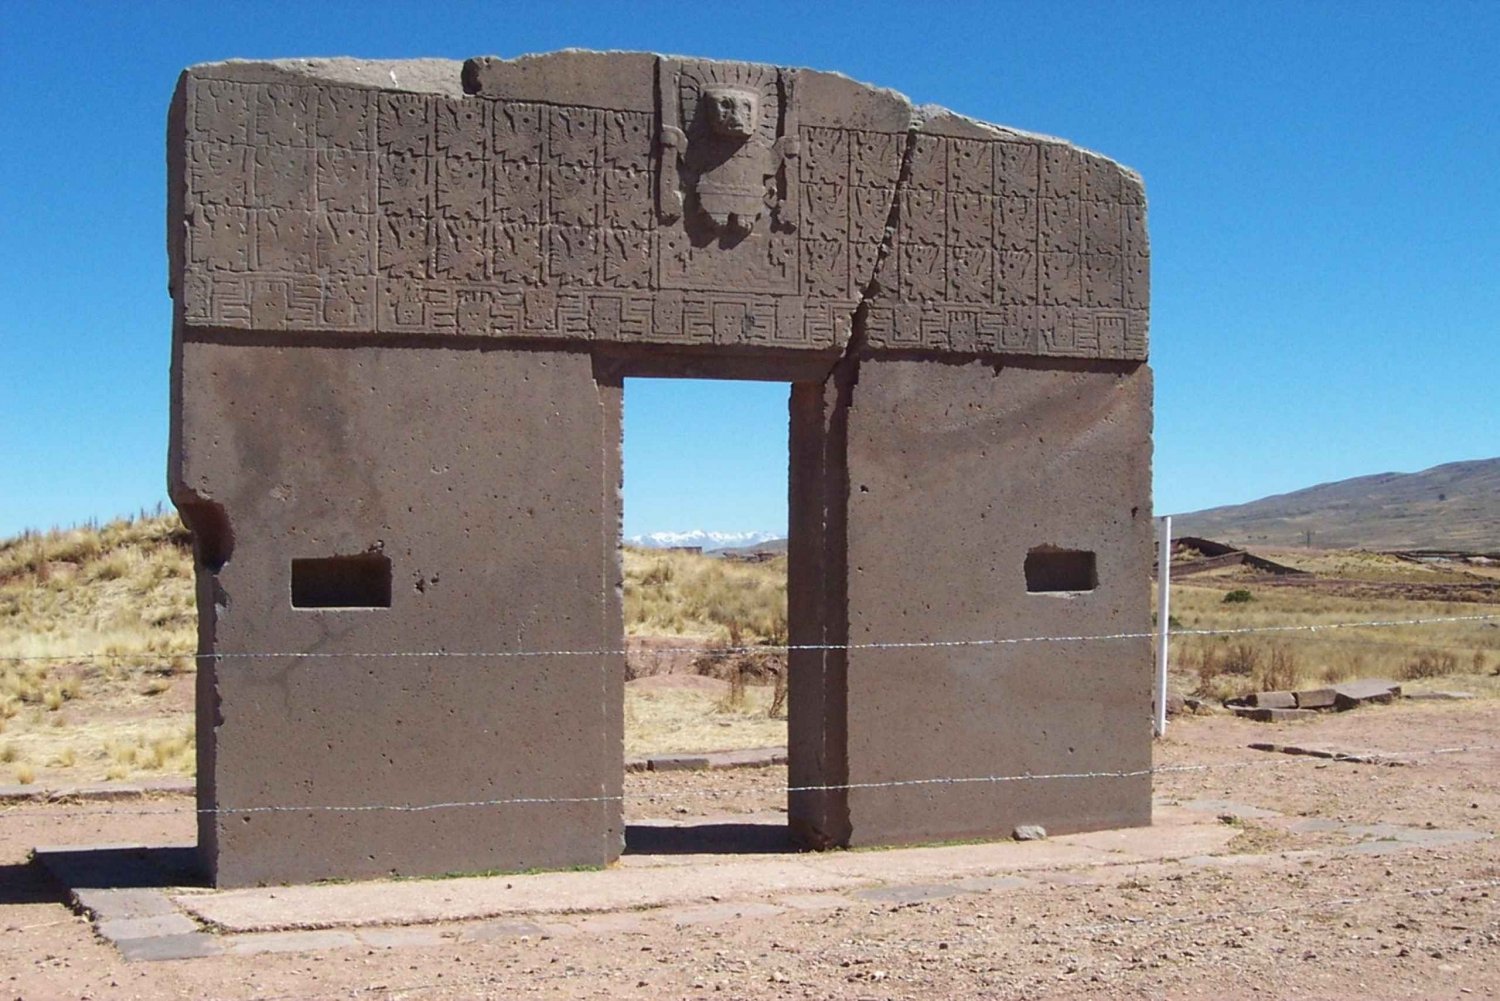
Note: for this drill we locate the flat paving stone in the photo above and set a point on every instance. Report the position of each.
(403, 938)
(119, 929)
(490, 931)
(164, 947)
(663, 891)
(112, 905)
(912, 893)
(815, 901)
(718, 914)
(288, 941)
(468, 898)
(1229, 808)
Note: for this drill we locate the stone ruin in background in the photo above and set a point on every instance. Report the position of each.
(406, 297)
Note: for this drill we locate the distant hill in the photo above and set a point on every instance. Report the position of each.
(1453, 506)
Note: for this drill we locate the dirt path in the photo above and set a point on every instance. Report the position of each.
(1296, 907)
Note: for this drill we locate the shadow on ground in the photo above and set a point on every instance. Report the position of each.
(123, 867)
(28, 883)
(708, 839)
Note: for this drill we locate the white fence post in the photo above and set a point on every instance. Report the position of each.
(1163, 616)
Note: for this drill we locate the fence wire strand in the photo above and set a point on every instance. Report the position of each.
(743, 649)
(28, 808)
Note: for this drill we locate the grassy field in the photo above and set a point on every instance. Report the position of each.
(1226, 666)
(123, 593)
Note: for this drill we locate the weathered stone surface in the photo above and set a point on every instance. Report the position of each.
(407, 296)
(1029, 832)
(1440, 696)
(1273, 700)
(592, 196)
(1349, 694)
(678, 763)
(973, 467)
(120, 929)
(503, 499)
(157, 948)
(1317, 698)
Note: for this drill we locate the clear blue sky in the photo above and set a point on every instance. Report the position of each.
(1324, 184)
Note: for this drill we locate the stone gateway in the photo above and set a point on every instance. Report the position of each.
(406, 297)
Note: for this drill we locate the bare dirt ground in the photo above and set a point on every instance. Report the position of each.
(1285, 912)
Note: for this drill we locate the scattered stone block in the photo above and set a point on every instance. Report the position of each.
(1440, 696)
(1029, 832)
(1175, 705)
(754, 757)
(1273, 700)
(21, 794)
(1317, 698)
(1349, 694)
(678, 763)
(99, 791)
(1275, 715)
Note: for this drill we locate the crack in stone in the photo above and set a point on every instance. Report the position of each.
(857, 333)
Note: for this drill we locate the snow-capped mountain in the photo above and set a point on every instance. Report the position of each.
(708, 540)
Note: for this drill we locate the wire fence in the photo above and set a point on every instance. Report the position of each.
(14, 811)
(1311, 627)
(27, 808)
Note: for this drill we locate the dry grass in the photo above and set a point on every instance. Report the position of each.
(683, 594)
(673, 720)
(1228, 666)
(123, 594)
(124, 591)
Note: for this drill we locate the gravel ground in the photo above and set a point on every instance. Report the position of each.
(1283, 914)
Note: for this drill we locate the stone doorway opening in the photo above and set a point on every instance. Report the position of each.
(703, 549)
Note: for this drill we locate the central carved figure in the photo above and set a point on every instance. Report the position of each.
(730, 150)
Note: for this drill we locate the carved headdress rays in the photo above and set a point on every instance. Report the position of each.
(761, 82)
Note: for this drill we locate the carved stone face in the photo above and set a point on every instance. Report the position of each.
(731, 112)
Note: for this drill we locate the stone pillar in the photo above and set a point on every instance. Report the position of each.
(388, 512)
(984, 500)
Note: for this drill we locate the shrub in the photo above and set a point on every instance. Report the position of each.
(1238, 596)
(1348, 666)
(1430, 664)
(1279, 671)
(1242, 658)
(777, 709)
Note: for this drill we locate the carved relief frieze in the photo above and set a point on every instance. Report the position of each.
(716, 219)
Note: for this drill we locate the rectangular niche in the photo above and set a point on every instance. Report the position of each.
(362, 581)
(1050, 570)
